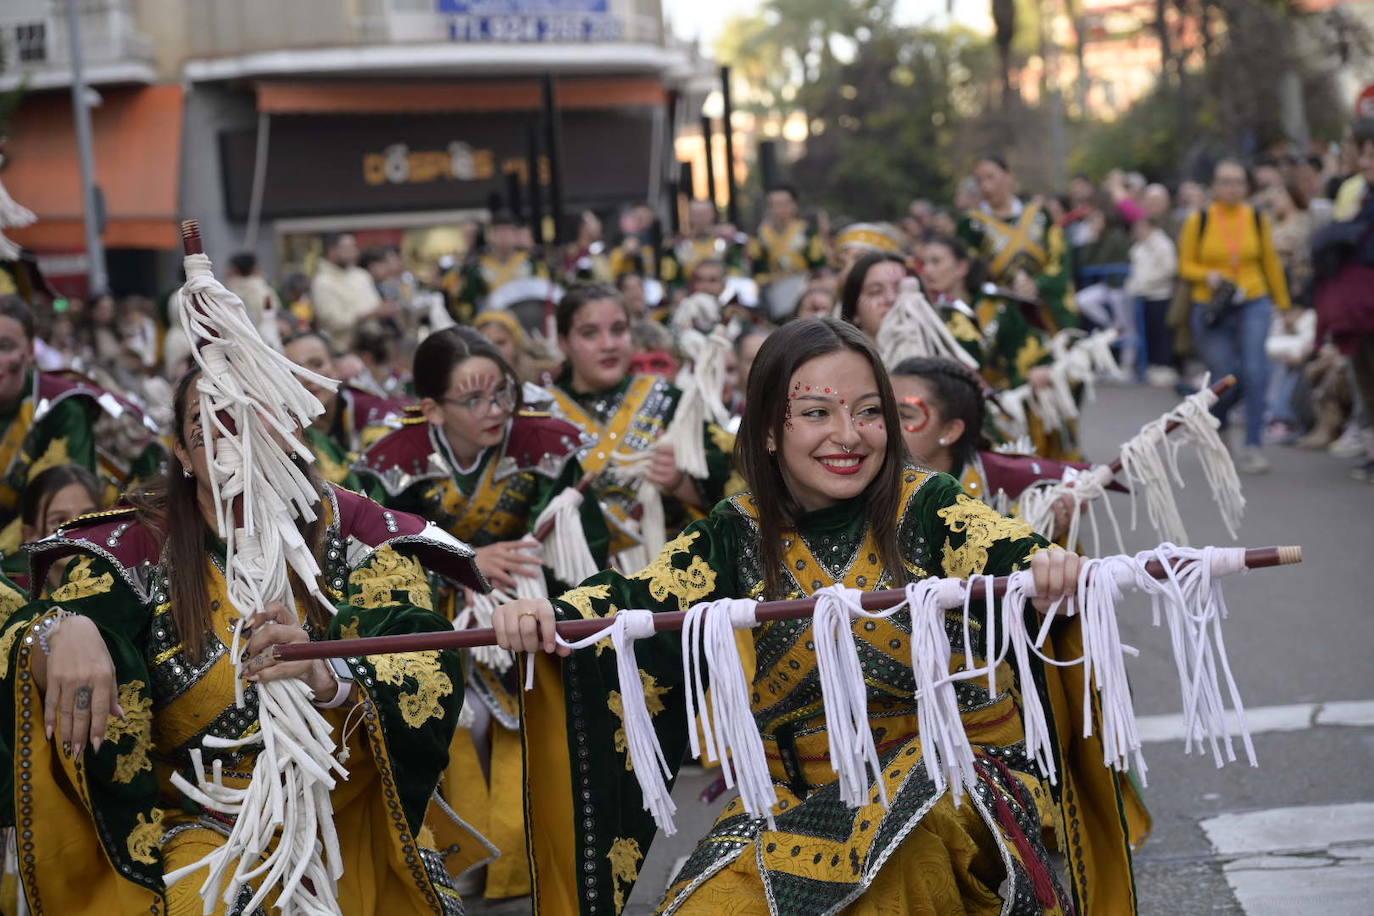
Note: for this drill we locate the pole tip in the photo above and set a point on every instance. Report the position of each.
(1290, 554)
(190, 237)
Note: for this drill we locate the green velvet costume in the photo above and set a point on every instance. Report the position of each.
(590, 830)
(99, 831)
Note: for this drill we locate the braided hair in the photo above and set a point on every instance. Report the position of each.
(958, 395)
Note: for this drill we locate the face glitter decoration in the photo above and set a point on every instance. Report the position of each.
(915, 414)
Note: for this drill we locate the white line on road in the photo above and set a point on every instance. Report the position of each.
(1301, 861)
(1261, 719)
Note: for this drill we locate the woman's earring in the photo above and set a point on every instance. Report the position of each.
(186, 472)
(944, 442)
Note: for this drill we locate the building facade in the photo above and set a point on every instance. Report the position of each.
(277, 121)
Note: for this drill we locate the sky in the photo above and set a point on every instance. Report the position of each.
(703, 18)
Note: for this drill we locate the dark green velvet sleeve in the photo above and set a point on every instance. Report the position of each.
(417, 694)
(593, 522)
(966, 537)
(120, 782)
(696, 566)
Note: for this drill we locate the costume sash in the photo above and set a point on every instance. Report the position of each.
(608, 437)
(1015, 240)
(782, 246)
(10, 448)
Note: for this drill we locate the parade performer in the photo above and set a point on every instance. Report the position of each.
(831, 501)
(1011, 349)
(352, 420)
(942, 409)
(484, 469)
(51, 500)
(502, 261)
(704, 240)
(121, 676)
(872, 290)
(785, 249)
(625, 415)
(1019, 242)
(45, 420)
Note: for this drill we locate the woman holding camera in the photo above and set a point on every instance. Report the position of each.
(1226, 251)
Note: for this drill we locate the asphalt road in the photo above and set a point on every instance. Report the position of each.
(1296, 835)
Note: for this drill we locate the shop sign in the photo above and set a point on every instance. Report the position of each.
(531, 20)
(399, 164)
(321, 164)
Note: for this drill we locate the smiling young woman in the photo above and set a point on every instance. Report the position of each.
(620, 412)
(832, 499)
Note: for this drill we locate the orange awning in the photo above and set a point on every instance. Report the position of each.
(459, 96)
(137, 133)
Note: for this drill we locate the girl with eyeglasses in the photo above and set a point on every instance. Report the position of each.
(482, 468)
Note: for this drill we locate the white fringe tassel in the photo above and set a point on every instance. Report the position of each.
(641, 741)
(912, 327)
(252, 405)
(729, 733)
(565, 550)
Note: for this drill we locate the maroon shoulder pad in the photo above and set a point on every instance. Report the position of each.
(374, 526)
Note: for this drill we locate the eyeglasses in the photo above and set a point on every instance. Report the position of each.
(915, 414)
(503, 400)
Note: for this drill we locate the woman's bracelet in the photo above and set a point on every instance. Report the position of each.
(44, 629)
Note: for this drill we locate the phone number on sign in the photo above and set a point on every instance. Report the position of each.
(544, 27)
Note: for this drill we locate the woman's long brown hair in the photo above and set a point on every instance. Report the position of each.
(167, 507)
(765, 415)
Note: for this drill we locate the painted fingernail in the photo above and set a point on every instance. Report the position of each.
(95, 745)
(76, 751)
(48, 729)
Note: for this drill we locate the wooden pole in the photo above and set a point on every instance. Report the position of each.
(768, 611)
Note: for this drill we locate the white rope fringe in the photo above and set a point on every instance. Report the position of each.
(641, 741)
(565, 551)
(252, 407)
(728, 731)
(912, 327)
(1188, 602)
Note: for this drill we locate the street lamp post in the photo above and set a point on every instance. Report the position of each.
(90, 194)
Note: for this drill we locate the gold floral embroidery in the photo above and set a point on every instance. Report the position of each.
(653, 701)
(1030, 354)
(962, 328)
(582, 599)
(80, 583)
(11, 600)
(688, 585)
(7, 643)
(981, 527)
(350, 629)
(625, 856)
(721, 438)
(138, 724)
(431, 683)
(390, 571)
(146, 837)
(57, 453)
